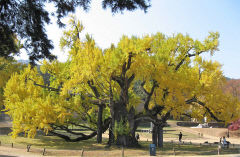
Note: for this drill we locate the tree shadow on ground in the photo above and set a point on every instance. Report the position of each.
(58, 143)
(90, 145)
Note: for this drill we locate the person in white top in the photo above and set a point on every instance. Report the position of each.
(224, 141)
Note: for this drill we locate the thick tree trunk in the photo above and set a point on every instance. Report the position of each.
(128, 140)
(157, 136)
(121, 114)
(111, 126)
(160, 136)
(111, 134)
(119, 109)
(99, 127)
(154, 135)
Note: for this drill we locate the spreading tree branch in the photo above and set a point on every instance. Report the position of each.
(72, 132)
(148, 98)
(144, 90)
(94, 89)
(125, 67)
(83, 126)
(186, 56)
(166, 116)
(118, 80)
(130, 79)
(83, 136)
(129, 61)
(195, 100)
(157, 110)
(47, 87)
(187, 115)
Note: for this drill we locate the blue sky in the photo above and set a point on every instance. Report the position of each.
(193, 17)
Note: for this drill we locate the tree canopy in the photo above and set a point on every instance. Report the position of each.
(27, 19)
(144, 78)
(7, 68)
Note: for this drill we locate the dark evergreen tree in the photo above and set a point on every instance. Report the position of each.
(27, 19)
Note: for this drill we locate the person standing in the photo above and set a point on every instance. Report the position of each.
(137, 137)
(180, 137)
(224, 142)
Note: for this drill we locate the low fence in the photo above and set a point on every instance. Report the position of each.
(177, 147)
(231, 145)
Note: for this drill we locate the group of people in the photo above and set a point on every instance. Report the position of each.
(224, 142)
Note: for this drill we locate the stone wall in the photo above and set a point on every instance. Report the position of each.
(194, 124)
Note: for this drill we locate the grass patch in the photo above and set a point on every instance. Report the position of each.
(53, 142)
(93, 149)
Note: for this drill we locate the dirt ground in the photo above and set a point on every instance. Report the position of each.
(209, 134)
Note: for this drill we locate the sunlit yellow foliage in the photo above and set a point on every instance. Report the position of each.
(7, 68)
(174, 63)
(32, 107)
(155, 57)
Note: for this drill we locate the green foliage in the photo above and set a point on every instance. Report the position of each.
(9, 45)
(121, 128)
(131, 5)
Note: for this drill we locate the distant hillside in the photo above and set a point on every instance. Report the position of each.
(233, 87)
(228, 78)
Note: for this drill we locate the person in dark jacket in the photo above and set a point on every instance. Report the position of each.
(137, 137)
(180, 137)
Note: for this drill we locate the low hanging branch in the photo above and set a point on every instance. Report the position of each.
(83, 126)
(68, 139)
(187, 115)
(144, 117)
(195, 100)
(209, 111)
(83, 136)
(72, 132)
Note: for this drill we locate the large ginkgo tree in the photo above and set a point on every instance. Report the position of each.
(145, 78)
